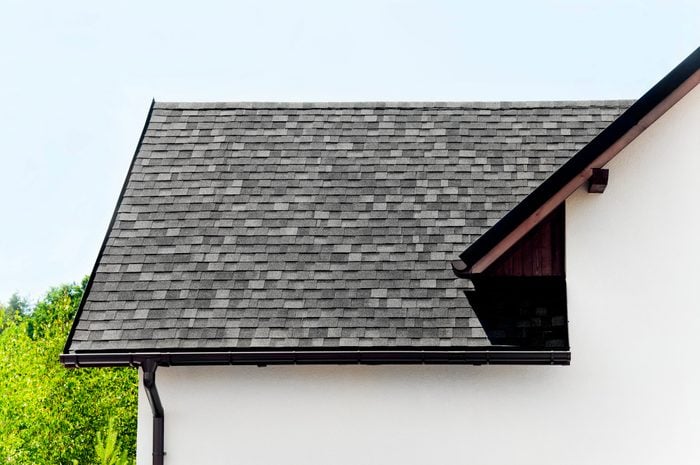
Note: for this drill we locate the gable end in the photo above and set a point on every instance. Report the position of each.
(579, 169)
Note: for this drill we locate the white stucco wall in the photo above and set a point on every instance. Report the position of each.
(631, 395)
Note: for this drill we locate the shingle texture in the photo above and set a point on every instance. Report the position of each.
(316, 225)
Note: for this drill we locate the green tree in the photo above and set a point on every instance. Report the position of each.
(50, 414)
(16, 307)
(108, 448)
(18, 304)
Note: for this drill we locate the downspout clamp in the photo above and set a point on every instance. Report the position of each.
(149, 382)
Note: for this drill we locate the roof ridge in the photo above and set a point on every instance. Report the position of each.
(391, 104)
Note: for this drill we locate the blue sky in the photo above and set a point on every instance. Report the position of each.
(76, 80)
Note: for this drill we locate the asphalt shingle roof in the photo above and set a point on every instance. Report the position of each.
(316, 225)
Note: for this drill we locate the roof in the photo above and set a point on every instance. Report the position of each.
(283, 225)
(555, 189)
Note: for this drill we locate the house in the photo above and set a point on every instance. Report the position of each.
(400, 283)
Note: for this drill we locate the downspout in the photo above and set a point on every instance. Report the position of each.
(149, 382)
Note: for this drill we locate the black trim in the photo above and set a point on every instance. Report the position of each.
(583, 158)
(320, 357)
(79, 313)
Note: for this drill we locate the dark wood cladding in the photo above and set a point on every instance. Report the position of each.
(520, 299)
(539, 253)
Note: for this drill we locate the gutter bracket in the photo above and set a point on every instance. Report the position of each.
(149, 383)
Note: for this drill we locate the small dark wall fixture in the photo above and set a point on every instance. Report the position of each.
(598, 181)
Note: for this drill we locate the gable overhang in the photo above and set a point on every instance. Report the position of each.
(579, 169)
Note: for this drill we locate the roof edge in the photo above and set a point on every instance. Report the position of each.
(496, 104)
(79, 313)
(633, 117)
(436, 356)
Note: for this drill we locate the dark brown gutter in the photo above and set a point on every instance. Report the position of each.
(316, 357)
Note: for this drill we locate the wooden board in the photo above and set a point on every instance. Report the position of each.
(538, 253)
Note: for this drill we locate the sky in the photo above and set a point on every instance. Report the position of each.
(77, 78)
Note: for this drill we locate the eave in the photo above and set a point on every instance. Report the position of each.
(428, 356)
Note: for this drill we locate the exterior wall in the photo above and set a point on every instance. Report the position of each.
(631, 395)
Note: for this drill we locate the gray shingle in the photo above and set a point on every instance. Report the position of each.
(311, 225)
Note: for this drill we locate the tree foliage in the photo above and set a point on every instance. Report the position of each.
(108, 449)
(50, 414)
(16, 307)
